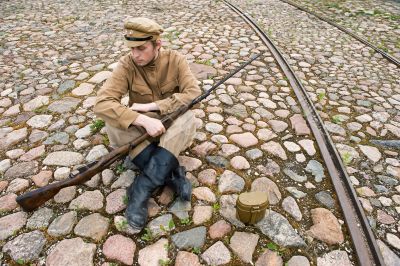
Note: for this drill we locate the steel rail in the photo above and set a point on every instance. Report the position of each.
(364, 242)
(388, 56)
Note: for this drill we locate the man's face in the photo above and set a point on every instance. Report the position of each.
(143, 54)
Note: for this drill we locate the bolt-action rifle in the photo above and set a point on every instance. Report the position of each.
(35, 198)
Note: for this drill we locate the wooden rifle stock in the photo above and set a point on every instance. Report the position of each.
(35, 198)
(31, 200)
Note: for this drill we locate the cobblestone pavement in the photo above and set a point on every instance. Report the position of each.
(251, 136)
(377, 21)
(357, 93)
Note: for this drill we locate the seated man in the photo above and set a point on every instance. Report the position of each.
(157, 82)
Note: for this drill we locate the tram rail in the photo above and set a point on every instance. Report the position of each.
(364, 242)
(388, 56)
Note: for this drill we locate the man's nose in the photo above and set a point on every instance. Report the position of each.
(135, 53)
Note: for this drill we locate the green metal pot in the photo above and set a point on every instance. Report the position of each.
(251, 206)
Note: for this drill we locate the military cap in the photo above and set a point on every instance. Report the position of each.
(139, 30)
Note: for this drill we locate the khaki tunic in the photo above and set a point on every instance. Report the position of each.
(167, 81)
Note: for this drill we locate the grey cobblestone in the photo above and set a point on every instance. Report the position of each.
(55, 56)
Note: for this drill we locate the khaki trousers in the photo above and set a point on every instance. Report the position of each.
(177, 138)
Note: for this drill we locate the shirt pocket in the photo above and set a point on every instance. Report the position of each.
(169, 87)
(141, 93)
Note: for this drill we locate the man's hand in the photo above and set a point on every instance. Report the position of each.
(153, 126)
(144, 107)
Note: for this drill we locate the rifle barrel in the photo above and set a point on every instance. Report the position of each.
(208, 92)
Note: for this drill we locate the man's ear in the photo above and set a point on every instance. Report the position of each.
(158, 44)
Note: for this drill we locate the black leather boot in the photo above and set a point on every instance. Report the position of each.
(178, 181)
(155, 172)
(138, 194)
(180, 184)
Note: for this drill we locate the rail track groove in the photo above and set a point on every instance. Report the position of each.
(364, 242)
(388, 56)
